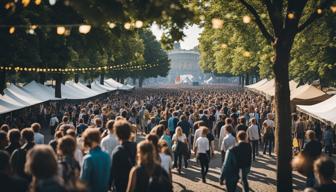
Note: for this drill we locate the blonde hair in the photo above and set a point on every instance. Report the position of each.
(179, 131)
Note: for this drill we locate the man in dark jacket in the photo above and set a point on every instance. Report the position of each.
(123, 156)
(237, 159)
(313, 150)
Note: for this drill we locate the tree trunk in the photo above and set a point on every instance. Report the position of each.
(134, 80)
(117, 79)
(122, 80)
(242, 81)
(58, 91)
(140, 81)
(42, 78)
(283, 135)
(76, 78)
(102, 76)
(2, 81)
(247, 79)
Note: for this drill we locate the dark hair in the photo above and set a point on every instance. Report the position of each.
(241, 135)
(65, 118)
(4, 127)
(14, 135)
(27, 134)
(325, 167)
(122, 129)
(41, 162)
(91, 135)
(3, 137)
(228, 128)
(153, 139)
(67, 146)
(36, 127)
(109, 125)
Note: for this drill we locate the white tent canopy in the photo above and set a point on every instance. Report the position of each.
(113, 83)
(257, 84)
(33, 93)
(267, 88)
(324, 111)
(306, 91)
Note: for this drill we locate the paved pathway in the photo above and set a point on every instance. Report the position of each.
(262, 177)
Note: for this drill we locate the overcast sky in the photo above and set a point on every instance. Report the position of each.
(190, 40)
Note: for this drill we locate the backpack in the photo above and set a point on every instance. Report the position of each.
(159, 181)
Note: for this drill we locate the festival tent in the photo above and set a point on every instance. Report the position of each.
(113, 83)
(268, 88)
(95, 85)
(324, 111)
(21, 95)
(257, 84)
(40, 91)
(307, 95)
(6, 107)
(71, 93)
(83, 89)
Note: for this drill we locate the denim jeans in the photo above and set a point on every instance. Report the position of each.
(204, 160)
(244, 173)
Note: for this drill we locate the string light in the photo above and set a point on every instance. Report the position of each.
(291, 16)
(127, 26)
(11, 30)
(217, 23)
(246, 19)
(319, 11)
(111, 25)
(138, 24)
(25, 3)
(38, 2)
(84, 29)
(333, 8)
(52, 2)
(60, 30)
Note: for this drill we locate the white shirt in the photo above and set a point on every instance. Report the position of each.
(197, 134)
(228, 142)
(54, 121)
(108, 143)
(38, 138)
(180, 138)
(222, 134)
(253, 133)
(166, 162)
(78, 155)
(202, 145)
(269, 122)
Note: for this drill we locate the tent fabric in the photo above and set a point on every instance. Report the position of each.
(268, 88)
(113, 83)
(257, 84)
(324, 111)
(308, 95)
(33, 93)
(40, 91)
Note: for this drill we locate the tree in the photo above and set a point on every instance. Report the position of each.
(286, 19)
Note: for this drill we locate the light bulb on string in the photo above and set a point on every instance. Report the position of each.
(246, 19)
(224, 45)
(84, 29)
(38, 2)
(11, 30)
(60, 30)
(25, 3)
(319, 11)
(333, 8)
(138, 24)
(291, 16)
(127, 25)
(111, 25)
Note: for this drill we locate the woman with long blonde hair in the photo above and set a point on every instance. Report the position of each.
(180, 142)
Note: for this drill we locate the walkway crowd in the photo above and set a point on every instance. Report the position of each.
(96, 144)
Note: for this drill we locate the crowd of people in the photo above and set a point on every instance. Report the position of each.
(131, 142)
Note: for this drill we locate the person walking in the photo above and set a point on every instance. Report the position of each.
(268, 137)
(38, 137)
(328, 140)
(14, 140)
(229, 141)
(109, 142)
(311, 150)
(96, 166)
(237, 159)
(42, 165)
(148, 175)
(123, 156)
(253, 137)
(201, 151)
(180, 143)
